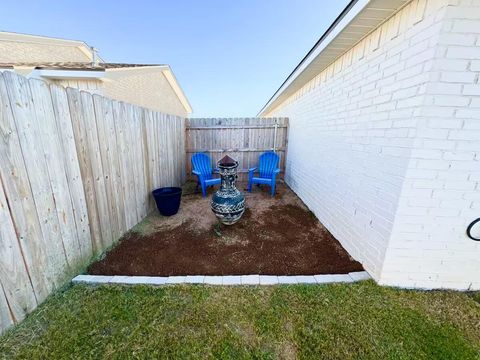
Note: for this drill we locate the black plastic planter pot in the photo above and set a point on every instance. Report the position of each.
(167, 200)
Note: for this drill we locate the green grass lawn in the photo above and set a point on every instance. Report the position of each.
(348, 321)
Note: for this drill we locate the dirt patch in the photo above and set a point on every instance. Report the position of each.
(275, 236)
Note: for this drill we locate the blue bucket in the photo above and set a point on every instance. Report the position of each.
(167, 200)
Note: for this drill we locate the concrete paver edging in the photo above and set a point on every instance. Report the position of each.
(224, 280)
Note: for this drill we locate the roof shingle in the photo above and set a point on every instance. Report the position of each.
(73, 65)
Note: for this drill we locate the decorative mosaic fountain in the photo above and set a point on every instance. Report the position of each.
(228, 203)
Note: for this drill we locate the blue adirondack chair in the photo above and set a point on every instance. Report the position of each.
(268, 170)
(202, 168)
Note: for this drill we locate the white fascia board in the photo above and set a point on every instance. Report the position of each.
(67, 74)
(124, 71)
(38, 39)
(172, 80)
(341, 25)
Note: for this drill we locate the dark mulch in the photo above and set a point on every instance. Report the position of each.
(284, 239)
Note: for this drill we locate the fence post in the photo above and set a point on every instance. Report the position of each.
(275, 135)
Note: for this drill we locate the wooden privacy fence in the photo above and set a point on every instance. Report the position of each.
(244, 139)
(76, 172)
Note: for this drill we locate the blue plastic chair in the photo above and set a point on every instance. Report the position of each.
(268, 170)
(201, 166)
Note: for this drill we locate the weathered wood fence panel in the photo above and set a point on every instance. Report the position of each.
(76, 172)
(244, 139)
(19, 226)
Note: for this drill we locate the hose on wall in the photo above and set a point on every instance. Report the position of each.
(469, 229)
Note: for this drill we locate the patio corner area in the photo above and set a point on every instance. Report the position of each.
(141, 302)
(276, 236)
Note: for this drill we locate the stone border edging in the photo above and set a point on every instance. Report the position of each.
(224, 280)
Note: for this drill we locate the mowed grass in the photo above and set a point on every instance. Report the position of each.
(350, 321)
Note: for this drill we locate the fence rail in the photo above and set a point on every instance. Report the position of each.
(244, 139)
(236, 127)
(76, 172)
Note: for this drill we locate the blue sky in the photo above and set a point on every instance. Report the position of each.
(229, 56)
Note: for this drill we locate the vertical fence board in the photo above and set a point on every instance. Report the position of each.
(149, 155)
(162, 147)
(16, 185)
(17, 289)
(132, 166)
(139, 164)
(134, 156)
(52, 147)
(78, 125)
(72, 170)
(156, 148)
(131, 161)
(116, 169)
(128, 185)
(97, 168)
(6, 318)
(171, 146)
(106, 132)
(37, 171)
(114, 164)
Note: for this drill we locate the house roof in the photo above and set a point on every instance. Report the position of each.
(73, 65)
(356, 21)
(80, 67)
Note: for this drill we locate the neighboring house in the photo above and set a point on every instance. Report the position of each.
(384, 137)
(73, 63)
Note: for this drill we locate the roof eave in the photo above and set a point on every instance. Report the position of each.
(137, 68)
(341, 36)
(172, 80)
(59, 74)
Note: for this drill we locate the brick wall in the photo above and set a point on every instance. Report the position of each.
(16, 51)
(441, 193)
(148, 89)
(383, 146)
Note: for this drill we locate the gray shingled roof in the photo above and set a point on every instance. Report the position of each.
(73, 65)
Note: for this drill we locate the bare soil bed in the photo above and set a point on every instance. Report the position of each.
(278, 236)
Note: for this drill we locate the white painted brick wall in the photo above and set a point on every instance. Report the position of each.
(438, 254)
(150, 90)
(384, 146)
(15, 51)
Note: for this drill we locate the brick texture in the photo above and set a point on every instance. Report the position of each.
(384, 146)
(15, 51)
(150, 90)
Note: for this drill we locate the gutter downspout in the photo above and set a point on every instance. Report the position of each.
(94, 56)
